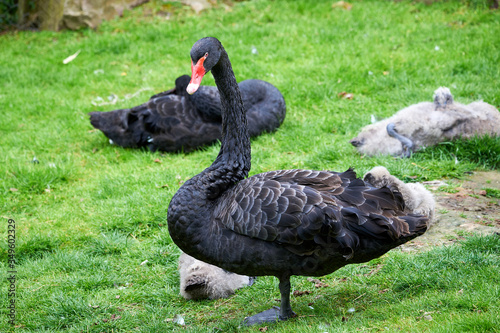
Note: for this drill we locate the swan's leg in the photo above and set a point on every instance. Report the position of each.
(285, 308)
(405, 142)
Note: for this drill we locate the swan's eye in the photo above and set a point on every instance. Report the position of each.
(206, 55)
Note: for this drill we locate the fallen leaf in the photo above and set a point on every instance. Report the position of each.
(301, 292)
(263, 329)
(374, 271)
(342, 4)
(345, 95)
(157, 160)
(385, 72)
(317, 283)
(71, 58)
(468, 226)
(197, 5)
(179, 320)
(13, 189)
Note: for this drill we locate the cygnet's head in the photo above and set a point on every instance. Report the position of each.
(442, 98)
(379, 176)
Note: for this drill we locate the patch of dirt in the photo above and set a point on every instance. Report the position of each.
(466, 210)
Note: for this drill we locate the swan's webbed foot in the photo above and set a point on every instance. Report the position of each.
(275, 314)
(269, 316)
(407, 151)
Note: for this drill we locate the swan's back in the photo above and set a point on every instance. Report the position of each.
(265, 106)
(304, 222)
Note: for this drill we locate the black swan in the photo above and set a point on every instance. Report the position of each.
(174, 121)
(280, 223)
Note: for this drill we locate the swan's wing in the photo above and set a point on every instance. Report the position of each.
(164, 93)
(164, 112)
(307, 209)
(175, 124)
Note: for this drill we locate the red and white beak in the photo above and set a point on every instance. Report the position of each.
(198, 71)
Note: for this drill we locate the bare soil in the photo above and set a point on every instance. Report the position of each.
(466, 210)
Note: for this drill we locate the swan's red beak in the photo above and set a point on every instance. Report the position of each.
(198, 71)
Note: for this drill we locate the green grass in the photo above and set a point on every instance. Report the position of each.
(88, 214)
(483, 152)
(492, 193)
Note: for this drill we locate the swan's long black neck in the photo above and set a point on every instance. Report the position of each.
(233, 162)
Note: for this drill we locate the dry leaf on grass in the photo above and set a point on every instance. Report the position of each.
(301, 292)
(345, 95)
(342, 4)
(71, 58)
(318, 283)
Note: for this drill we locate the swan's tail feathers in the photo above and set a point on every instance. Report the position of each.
(385, 198)
(417, 224)
(349, 174)
(380, 234)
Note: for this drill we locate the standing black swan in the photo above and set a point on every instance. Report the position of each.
(175, 121)
(280, 223)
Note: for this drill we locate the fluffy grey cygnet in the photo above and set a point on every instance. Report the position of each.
(426, 124)
(200, 280)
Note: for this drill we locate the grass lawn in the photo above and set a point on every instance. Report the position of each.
(90, 214)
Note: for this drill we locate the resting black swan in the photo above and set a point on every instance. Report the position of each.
(175, 121)
(280, 223)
